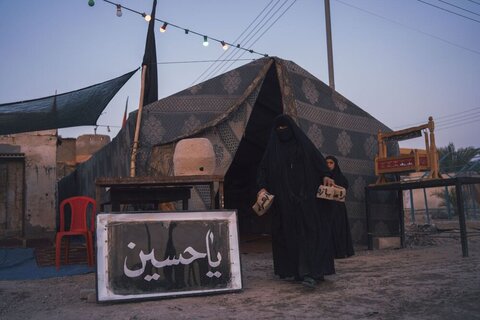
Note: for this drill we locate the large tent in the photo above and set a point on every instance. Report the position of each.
(235, 112)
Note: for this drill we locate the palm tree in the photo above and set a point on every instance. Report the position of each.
(452, 160)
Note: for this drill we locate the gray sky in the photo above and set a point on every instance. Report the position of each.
(401, 61)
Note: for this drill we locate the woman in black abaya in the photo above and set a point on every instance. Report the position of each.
(342, 237)
(292, 169)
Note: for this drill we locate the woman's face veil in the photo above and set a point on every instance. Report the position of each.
(283, 128)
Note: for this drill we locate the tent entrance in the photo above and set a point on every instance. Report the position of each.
(240, 179)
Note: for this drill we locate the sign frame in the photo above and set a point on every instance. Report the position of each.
(119, 277)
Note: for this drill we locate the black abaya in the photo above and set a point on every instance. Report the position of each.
(292, 169)
(341, 234)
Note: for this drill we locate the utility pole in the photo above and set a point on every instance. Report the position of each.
(328, 23)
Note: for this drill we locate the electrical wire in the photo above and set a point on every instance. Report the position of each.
(203, 61)
(458, 7)
(411, 28)
(251, 37)
(475, 110)
(271, 25)
(246, 40)
(474, 2)
(458, 119)
(452, 12)
(460, 124)
(237, 40)
(248, 37)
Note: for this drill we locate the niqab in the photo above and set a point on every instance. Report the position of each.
(292, 168)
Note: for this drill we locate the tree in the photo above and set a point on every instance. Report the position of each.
(452, 160)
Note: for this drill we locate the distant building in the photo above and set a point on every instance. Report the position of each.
(30, 166)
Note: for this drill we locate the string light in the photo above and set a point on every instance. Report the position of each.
(119, 10)
(225, 45)
(163, 28)
(147, 17)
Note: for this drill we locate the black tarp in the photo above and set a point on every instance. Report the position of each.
(71, 109)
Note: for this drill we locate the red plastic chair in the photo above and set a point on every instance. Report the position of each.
(78, 226)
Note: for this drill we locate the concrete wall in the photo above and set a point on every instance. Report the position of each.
(88, 144)
(40, 180)
(66, 156)
(47, 159)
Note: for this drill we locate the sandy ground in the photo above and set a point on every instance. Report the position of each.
(427, 280)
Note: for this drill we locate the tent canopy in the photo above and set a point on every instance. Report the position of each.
(71, 109)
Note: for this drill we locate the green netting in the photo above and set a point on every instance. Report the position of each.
(71, 109)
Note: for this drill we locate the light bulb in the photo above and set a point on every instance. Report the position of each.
(224, 45)
(91, 3)
(163, 28)
(119, 10)
(147, 17)
(205, 41)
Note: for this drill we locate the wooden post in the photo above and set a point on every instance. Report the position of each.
(381, 154)
(433, 150)
(137, 124)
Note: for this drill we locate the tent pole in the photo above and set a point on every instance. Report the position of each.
(137, 124)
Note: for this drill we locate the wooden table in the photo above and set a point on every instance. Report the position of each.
(160, 189)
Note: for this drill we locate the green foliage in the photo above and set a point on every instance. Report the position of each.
(453, 160)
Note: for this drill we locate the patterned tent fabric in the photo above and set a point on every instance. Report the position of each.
(71, 109)
(340, 128)
(235, 111)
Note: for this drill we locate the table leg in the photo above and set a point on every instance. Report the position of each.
(98, 199)
(212, 195)
(220, 195)
(367, 212)
(401, 218)
(461, 219)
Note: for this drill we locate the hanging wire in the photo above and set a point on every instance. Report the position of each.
(408, 27)
(203, 61)
(239, 47)
(271, 25)
(246, 40)
(452, 12)
(458, 7)
(438, 120)
(229, 54)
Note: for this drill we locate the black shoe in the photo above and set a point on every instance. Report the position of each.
(309, 282)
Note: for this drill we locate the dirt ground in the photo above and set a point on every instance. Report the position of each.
(427, 280)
